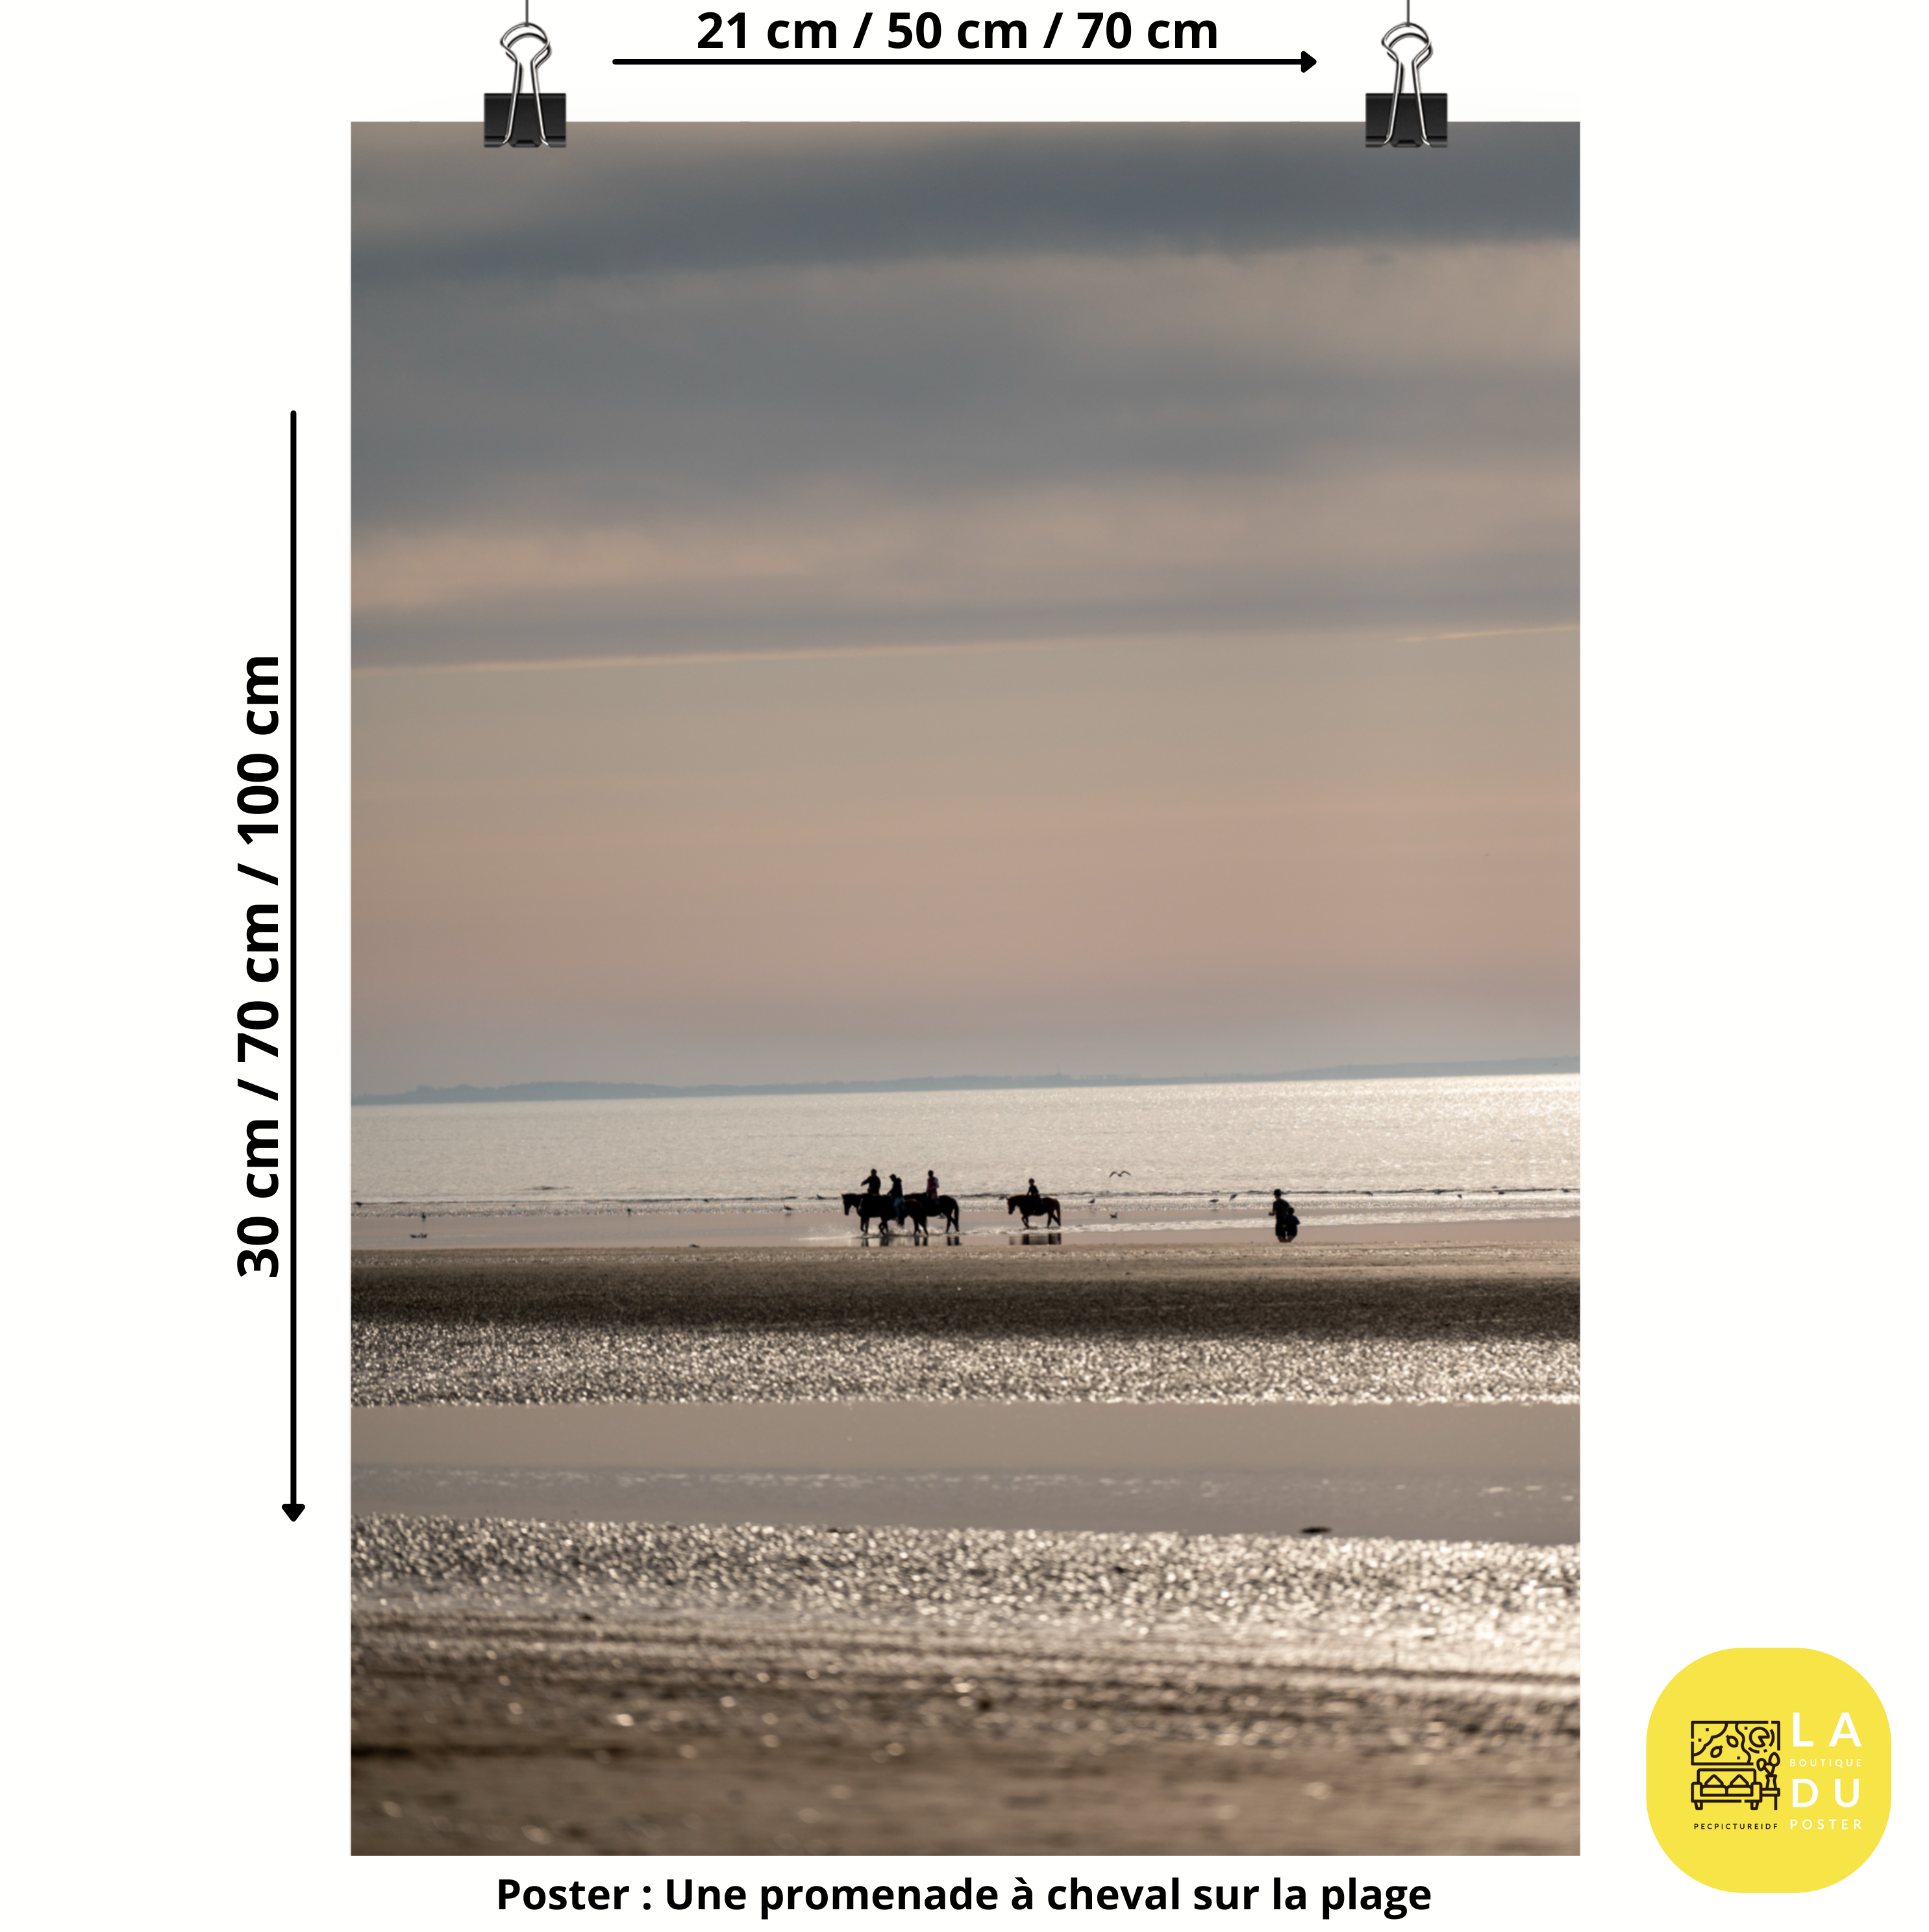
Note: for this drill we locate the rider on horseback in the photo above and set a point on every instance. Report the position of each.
(1285, 1222)
(870, 1187)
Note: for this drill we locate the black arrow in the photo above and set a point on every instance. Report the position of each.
(291, 1509)
(1302, 60)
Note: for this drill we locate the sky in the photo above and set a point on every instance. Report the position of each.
(840, 602)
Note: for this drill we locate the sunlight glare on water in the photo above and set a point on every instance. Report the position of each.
(1518, 1133)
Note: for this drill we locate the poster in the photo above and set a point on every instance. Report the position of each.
(228, 289)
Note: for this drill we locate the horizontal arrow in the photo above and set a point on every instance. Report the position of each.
(1303, 61)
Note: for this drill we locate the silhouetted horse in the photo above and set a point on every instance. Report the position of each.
(918, 1210)
(868, 1207)
(1026, 1205)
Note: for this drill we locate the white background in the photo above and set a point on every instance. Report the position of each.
(1752, 632)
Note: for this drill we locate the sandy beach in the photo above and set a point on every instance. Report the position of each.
(633, 1689)
(1259, 1322)
(641, 1687)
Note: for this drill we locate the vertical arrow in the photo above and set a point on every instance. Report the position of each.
(292, 1509)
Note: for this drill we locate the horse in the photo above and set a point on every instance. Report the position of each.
(917, 1208)
(1026, 1205)
(868, 1207)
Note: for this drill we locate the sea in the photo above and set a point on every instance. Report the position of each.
(1476, 1147)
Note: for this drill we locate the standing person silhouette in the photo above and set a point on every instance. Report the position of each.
(898, 1200)
(1285, 1222)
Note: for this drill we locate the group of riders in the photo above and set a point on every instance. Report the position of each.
(891, 1201)
(893, 1196)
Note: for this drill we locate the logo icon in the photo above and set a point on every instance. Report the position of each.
(1791, 1799)
(1735, 1760)
(526, 117)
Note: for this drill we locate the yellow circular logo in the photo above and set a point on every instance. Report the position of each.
(1769, 1770)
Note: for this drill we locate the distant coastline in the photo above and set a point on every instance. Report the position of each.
(960, 1083)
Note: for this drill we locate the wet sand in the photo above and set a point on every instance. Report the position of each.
(1248, 1323)
(1502, 1440)
(1136, 1225)
(1505, 1472)
(632, 1689)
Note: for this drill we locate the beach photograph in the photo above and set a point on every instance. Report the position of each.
(966, 1151)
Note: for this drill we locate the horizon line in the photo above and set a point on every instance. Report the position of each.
(621, 1090)
(1352, 638)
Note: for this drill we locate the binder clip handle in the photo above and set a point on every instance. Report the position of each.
(526, 63)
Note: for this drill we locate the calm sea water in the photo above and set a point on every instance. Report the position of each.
(1365, 1149)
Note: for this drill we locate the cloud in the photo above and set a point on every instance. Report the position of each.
(936, 451)
(432, 205)
(1026, 364)
(1121, 557)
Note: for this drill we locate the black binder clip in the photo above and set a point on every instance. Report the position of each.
(1406, 117)
(526, 117)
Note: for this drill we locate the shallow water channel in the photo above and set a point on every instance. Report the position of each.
(1496, 1472)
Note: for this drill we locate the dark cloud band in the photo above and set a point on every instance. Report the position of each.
(431, 203)
(705, 388)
